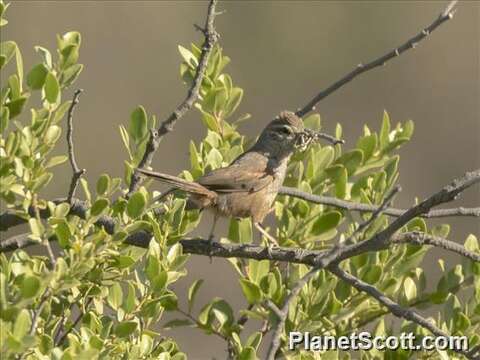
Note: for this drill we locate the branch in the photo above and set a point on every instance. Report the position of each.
(211, 37)
(382, 239)
(77, 172)
(62, 337)
(447, 14)
(366, 208)
(394, 307)
(379, 211)
(377, 242)
(283, 312)
(419, 238)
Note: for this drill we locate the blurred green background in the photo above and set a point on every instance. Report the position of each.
(282, 54)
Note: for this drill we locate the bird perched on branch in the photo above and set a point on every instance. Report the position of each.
(247, 188)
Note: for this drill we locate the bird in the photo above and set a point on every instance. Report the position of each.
(247, 188)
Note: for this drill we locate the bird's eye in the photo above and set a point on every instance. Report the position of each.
(286, 131)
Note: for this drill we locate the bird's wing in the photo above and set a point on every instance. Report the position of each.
(247, 174)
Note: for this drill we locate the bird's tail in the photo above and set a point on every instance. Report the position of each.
(178, 183)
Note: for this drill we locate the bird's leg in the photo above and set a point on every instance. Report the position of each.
(271, 241)
(210, 237)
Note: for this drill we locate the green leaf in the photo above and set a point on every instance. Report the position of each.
(15, 107)
(68, 39)
(103, 184)
(233, 102)
(45, 54)
(52, 135)
(115, 296)
(351, 161)
(99, 206)
(7, 50)
(136, 205)
(69, 56)
(254, 340)
(326, 222)
(385, 131)
(56, 160)
(324, 158)
(372, 274)
(338, 175)
(471, 244)
(138, 128)
(409, 289)
(214, 158)
(36, 227)
(125, 328)
(251, 291)
(30, 287)
(70, 74)
(192, 292)
(248, 353)
(4, 118)
(61, 110)
(37, 76)
(22, 324)
(210, 122)
(52, 88)
(177, 323)
(368, 145)
(312, 122)
(240, 231)
(63, 233)
(188, 57)
(130, 300)
(123, 261)
(61, 210)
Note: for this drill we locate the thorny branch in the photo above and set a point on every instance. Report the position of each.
(447, 14)
(156, 135)
(77, 172)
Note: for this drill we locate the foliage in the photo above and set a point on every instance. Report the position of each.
(102, 298)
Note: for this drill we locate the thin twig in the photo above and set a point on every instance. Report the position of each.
(45, 242)
(156, 135)
(62, 337)
(383, 206)
(77, 172)
(420, 238)
(446, 14)
(38, 311)
(394, 307)
(366, 208)
(422, 300)
(283, 312)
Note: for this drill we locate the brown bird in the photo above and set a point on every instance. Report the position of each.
(249, 185)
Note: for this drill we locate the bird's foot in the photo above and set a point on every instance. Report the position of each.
(271, 246)
(210, 247)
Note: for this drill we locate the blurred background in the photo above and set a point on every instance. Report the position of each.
(282, 54)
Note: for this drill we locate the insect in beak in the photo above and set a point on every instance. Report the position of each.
(308, 136)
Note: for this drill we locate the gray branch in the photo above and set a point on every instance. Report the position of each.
(395, 308)
(156, 135)
(77, 172)
(366, 208)
(378, 242)
(445, 15)
(420, 238)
